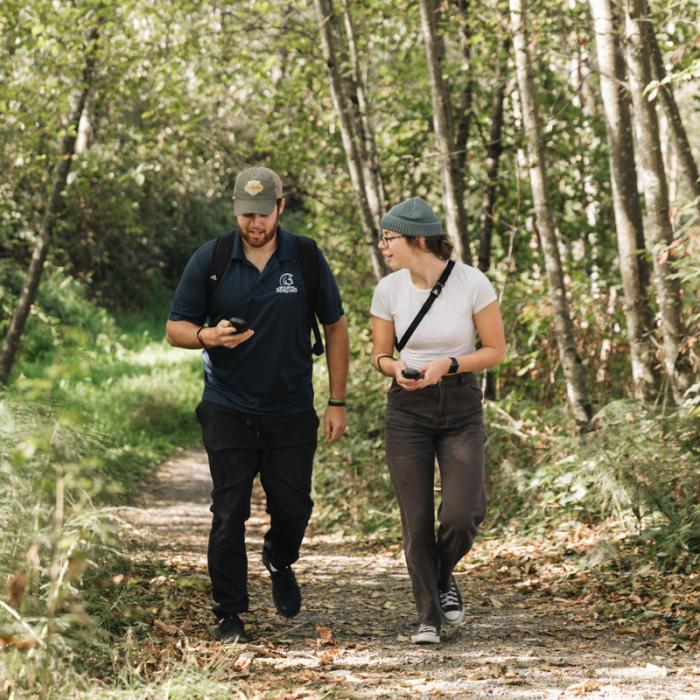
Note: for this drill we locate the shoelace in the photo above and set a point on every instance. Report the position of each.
(426, 628)
(450, 597)
(285, 574)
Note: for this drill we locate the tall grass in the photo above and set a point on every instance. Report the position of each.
(92, 406)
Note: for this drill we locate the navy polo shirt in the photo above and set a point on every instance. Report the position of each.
(270, 373)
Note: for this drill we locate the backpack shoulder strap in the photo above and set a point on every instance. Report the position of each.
(219, 260)
(308, 258)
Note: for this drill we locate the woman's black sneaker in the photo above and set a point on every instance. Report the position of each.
(426, 634)
(285, 589)
(232, 630)
(451, 604)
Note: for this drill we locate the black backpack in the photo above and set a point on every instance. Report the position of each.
(308, 257)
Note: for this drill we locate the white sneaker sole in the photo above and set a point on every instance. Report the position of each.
(425, 638)
(454, 620)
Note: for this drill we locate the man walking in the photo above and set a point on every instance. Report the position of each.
(260, 288)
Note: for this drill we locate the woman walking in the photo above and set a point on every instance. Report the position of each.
(434, 404)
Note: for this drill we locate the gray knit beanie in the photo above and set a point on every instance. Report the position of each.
(413, 217)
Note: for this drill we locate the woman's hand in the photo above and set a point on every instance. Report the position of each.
(433, 372)
(408, 384)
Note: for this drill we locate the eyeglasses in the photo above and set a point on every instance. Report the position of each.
(388, 239)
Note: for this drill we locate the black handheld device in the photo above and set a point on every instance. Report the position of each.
(411, 373)
(239, 324)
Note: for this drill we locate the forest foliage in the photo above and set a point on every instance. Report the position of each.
(185, 94)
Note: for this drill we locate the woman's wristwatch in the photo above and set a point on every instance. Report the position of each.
(454, 366)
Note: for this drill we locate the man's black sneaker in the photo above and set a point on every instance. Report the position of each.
(285, 589)
(232, 630)
(451, 604)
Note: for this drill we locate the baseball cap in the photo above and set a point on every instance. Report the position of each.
(256, 191)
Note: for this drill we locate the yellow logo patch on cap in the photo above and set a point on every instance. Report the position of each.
(253, 187)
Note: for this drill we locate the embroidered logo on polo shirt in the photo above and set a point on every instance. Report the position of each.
(287, 284)
(253, 187)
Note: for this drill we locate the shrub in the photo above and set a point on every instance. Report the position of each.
(639, 464)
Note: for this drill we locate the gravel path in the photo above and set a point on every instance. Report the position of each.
(351, 638)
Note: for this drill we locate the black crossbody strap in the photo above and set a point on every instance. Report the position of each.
(434, 294)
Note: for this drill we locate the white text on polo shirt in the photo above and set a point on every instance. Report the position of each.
(287, 284)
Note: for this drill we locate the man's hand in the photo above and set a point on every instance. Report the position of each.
(335, 420)
(224, 334)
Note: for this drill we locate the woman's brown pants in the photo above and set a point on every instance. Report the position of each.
(444, 421)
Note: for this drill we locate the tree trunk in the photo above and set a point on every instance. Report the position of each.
(18, 322)
(570, 360)
(628, 216)
(278, 72)
(494, 149)
(463, 116)
(588, 256)
(328, 26)
(493, 154)
(367, 138)
(455, 217)
(679, 137)
(657, 223)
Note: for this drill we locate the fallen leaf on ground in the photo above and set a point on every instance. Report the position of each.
(165, 627)
(242, 663)
(15, 586)
(324, 633)
(584, 687)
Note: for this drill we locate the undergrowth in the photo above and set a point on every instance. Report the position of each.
(639, 465)
(102, 401)
(80, 425)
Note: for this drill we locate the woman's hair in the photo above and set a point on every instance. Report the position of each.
(437, 245)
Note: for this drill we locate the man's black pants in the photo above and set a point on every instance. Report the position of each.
(239, 445)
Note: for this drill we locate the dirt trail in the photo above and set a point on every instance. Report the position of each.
(351, 637)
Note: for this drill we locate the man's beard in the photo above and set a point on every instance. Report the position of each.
(260, 241)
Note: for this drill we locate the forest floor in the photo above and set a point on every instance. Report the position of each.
(523, 636)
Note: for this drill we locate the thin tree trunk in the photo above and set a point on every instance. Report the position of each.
(679, 137)
(493, 154)
(370, 161)
(628, 216)
(571, 362)
(278, 72)
(580, 69)
(18, 322)
(657, 223)
(455, 217)
(463, 116)
(494, 149)
(328, 26)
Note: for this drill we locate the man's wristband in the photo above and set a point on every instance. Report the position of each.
(199, 330)
(336, 402)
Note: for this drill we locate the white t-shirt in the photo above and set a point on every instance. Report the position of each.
(447, 330)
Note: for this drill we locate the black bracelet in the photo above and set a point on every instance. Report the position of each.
(199, 330)
(381, 357)
(336, 402)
